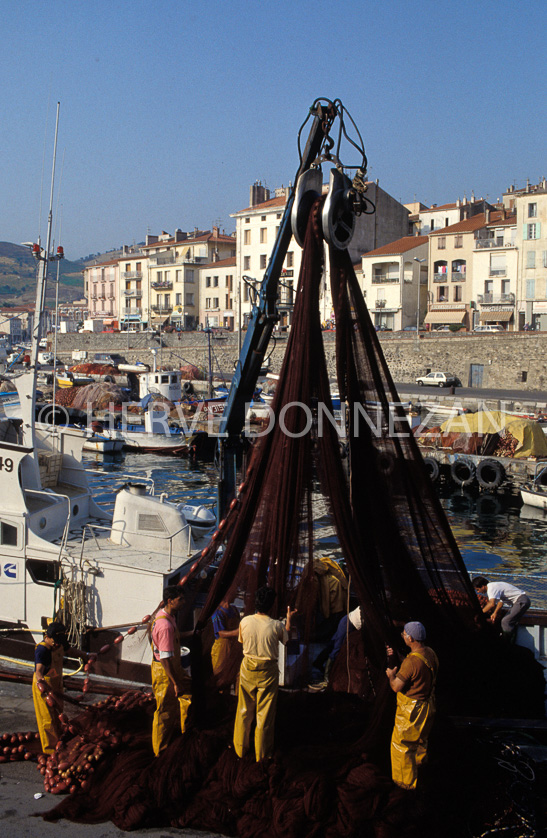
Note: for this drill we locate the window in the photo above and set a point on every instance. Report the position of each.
(263, 261)
(8, 534)
(532, 210)
(441, 242)
(230, 282)
(290, 259)
(506, 286)
(247, 221)
(278, 215)
(207, 281)
(531, 259)
(159, 276)
(43, 573)
(531, 231)
(178, 299)
(167, 300)
(190, 298)
(442, 294)
(498, 264)
(263, 218)
(215, 282)
(190, 276)
(488, 286)
(530, 289)
(446, 222)
(215, 302)
(457, 294)
(138, 267)
(432, 225)
(246, 263)
(458, 241)
(246, 237)
(227, 303)
(545, 258)
(263, 235)
(207, 302)
(166, 276)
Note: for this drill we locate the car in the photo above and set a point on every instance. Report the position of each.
(437, 379)
(479, 330)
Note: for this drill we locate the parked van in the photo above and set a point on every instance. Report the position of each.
(482, 329)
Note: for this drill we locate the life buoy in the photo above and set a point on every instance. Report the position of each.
(462, 472)
(433, 468)
(188, 388)
(490, 474)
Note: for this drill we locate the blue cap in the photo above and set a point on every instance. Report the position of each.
(416, 631)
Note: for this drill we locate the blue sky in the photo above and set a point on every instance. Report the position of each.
(170, 109)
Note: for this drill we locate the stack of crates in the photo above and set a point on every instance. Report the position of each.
(50, 466)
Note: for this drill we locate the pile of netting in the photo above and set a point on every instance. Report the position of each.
(330, 772)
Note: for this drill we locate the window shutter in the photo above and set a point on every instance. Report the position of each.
(525, 231)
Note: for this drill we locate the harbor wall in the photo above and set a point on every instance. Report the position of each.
(513, 360)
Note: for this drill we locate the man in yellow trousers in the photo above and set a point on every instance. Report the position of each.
(260, 636)
(414, 683)
(48, 672)
(171, 685)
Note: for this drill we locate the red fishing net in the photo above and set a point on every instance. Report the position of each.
(369, 490)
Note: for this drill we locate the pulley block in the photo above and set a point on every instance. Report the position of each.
(308, 188)
(338, 218)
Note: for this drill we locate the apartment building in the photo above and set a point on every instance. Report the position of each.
(216, 294)
(102, 284)
(394, 281)
(457, 278)
(174, 264)
(495, 272)
(530, 205)
(430, 219)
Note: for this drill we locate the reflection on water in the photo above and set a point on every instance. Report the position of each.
(497, 536)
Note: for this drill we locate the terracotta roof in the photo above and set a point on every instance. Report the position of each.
(104, 264)
(220, 263)
(469, 225)
(208, 236)
(442, 207)
(400, 246)
(273, 202)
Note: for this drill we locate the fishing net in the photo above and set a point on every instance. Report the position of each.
(361, 480)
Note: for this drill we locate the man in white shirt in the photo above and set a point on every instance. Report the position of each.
(500, 595)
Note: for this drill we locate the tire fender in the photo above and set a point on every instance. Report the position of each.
(433, 468)
(490, 474)
(463, 472)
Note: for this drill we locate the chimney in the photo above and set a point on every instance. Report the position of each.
(487, 215)
(527, 184)
(216, 232)
(258, 194)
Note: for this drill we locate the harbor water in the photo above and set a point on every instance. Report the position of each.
(498, 537)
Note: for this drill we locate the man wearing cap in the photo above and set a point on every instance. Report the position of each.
(48, 671)
(172, 686)
(414, 683)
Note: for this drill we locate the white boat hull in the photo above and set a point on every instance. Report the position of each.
(534, 497)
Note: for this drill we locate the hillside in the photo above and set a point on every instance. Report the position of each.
(18, 277)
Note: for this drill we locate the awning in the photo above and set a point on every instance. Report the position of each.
(159, 321)
(501, 316)
(132, 317)
(445, 316)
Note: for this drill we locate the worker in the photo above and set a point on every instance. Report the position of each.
(226, 628)
(500, 594)
(171, 684)
(414, 683)
(260, 636)
(348, 623)
(48, 671)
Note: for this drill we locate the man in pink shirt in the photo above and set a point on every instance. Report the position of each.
(172, 686)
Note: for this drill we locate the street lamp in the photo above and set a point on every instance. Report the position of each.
(419, 261)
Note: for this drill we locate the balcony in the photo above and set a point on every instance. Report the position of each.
(380, 304)
(458, 276)
(440, 277)
(131, 312)
(162, 309)
(497, 272)
(136, 294)
(489, 299)
(131, 274)
(163, 284)
(481, 244)
(381, 279)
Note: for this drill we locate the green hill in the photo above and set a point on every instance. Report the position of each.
(18, 277)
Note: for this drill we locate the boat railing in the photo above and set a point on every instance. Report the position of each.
(49, 493)
(92, 528)
(539, 470)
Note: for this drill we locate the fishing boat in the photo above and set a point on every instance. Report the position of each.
(69, 379)
(63, 555)
(100, 444)
(154, 436)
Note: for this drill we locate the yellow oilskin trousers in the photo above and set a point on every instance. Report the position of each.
(220, 651)
(169, 707)
(257, 699)
(47, 719)
(413, 722)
